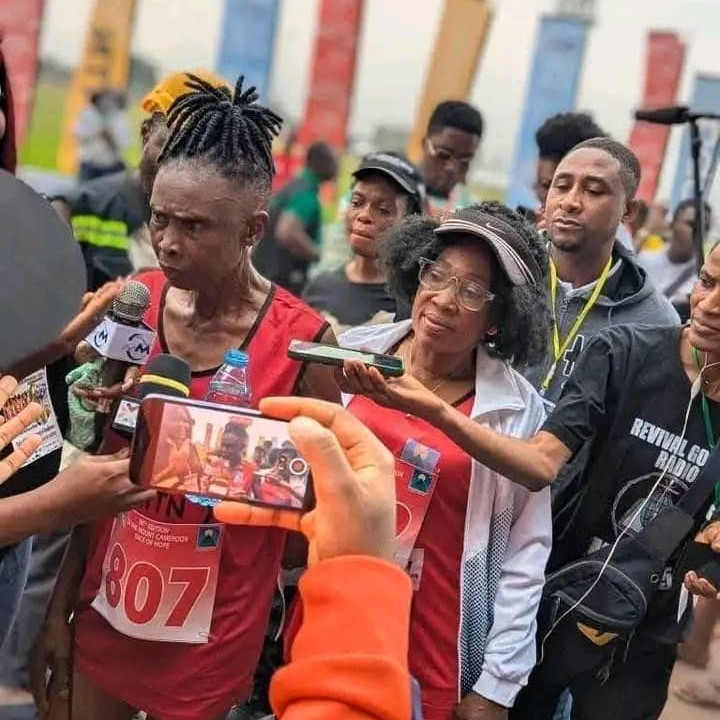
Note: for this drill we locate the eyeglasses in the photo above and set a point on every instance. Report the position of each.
(444, 155)
(436, 277)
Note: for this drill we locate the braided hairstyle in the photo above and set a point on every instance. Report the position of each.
(232, 132)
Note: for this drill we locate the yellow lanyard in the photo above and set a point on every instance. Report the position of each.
(558, 347)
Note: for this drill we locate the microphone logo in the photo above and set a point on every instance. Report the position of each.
(137, 348)
(101, 336)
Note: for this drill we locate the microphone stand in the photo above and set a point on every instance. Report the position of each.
(698, 202)
(698, 195)
(712, 170)
(679, 116)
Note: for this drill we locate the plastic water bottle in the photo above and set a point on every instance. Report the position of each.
(230, 384)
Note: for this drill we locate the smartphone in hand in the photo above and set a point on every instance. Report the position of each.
(218, 451)
(388, 365)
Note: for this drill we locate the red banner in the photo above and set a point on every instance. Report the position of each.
(665, 60)
(333, 73)
(20, 22)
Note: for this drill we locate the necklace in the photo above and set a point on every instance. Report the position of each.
(407, 360)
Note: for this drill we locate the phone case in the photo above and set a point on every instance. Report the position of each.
(389, 370)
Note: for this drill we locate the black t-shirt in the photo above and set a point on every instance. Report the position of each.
(621, 414)
(348, 302)
(117, 196)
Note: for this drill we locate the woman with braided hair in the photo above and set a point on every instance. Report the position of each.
(162, 622)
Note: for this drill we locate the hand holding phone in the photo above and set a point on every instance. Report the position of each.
(353, 479)
(388, 365)
(404, 394)
(197, 448)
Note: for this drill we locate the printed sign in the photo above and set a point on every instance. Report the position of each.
(34, 388)
(552, 88)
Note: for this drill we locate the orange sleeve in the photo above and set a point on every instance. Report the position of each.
(349, 659)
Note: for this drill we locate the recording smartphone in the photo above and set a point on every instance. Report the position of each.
(192, 447)
(388, 365)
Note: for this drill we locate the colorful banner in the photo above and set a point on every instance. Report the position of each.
(665, 61)
(332, 79)
(705, 98)
(453, 64)
(105, 64)
(20, 21)
(552, 88)
(247, 41)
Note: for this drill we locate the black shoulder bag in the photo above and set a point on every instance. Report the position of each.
(585, 616)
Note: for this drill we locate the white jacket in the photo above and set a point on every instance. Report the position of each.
(508, 533)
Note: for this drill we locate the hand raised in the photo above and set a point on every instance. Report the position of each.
(354, 482)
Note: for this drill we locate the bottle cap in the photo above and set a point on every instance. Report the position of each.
(237, 358)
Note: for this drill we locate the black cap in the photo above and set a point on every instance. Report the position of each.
(399, 169)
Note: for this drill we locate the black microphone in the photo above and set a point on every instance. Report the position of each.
(676, 115)
(164, 375)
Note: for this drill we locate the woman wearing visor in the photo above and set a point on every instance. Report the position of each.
(474, 543)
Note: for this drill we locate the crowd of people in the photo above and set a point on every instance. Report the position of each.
(559, 399)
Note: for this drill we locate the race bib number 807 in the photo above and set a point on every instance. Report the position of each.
(159, 580)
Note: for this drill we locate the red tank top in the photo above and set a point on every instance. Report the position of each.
(177, 681)
(434, 620)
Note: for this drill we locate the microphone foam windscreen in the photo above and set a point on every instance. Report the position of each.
(165, 374)
(132, 303)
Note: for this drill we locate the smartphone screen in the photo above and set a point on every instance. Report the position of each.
(191, 447)
(333, 355)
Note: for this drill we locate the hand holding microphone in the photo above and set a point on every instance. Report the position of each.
(122, 340)
(92, 310)
(353, 477)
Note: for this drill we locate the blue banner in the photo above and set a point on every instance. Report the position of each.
(553, 88)
(247, 42)
(705, 98)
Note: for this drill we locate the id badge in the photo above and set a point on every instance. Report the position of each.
(415, 482)
(420, 456)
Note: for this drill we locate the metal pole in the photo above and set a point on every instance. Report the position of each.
(698, 226)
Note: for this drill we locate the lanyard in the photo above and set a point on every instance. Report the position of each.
(558, 347)
(707, 418)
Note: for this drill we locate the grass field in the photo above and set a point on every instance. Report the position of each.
(43, 137)
(40, 148)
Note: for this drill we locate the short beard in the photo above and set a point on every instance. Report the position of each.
(574, 247)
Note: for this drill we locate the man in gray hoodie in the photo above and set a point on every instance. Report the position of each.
(594, 281)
